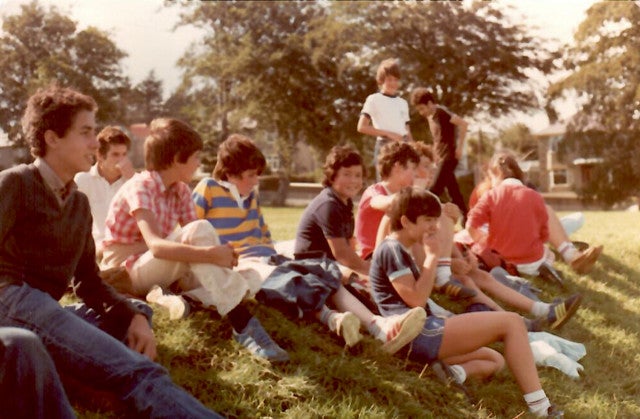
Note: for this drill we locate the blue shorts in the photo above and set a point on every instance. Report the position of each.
(426, 346)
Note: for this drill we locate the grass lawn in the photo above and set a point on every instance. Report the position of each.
(324, 380)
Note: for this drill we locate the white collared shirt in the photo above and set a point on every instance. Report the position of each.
(100, 193)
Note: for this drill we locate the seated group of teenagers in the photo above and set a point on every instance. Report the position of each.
(211, 247)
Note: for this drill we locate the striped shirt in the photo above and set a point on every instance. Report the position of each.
(238, 222)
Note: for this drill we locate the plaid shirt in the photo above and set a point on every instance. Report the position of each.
(145, 190)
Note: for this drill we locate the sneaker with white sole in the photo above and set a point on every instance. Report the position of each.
(177, 306)
(259, 343)
(400, 329)
(347, 326)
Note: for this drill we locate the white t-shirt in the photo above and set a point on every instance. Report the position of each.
(389, 113)
(100, 193)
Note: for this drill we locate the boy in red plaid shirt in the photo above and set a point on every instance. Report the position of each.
(153, 231)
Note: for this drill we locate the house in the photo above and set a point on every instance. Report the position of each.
(560, 179)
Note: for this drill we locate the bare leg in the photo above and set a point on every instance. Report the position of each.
(345, 301)
(557, 235)
(466, 333)
(480, 297)
(488, 283)
(481, 363)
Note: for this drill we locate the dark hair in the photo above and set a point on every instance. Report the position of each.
(388, 67)
(505, 164)
(395, 152)
(340, 156)
(412, 202)
(423, 149)
(235, 155)
(112, 135)
(169, 139)
(421, 96)
(52, 108)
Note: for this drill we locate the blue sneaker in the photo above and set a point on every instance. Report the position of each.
(455, 290)
(561, 311)
(258, 342)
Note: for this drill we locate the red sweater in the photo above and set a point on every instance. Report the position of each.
(517, 219)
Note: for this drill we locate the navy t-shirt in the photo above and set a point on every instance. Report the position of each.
(326, 216)
(390, 260)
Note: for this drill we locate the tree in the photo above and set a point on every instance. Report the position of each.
(145, 101)
(303, 69)
(474, 59)
(604, 75)
(41, 46)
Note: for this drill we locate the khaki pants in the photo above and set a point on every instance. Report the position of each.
(210, 284)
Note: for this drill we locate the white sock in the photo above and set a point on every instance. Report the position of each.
(540, 308)
(538, 403)
(443, 271)
(376, 328)
(459, 373)
(568, 251)
(328, 317)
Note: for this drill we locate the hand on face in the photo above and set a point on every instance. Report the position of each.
(126, 167)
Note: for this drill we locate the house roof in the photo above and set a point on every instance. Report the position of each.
(557, 128)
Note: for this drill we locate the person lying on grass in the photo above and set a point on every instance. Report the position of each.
(229, 201)
(401, 280)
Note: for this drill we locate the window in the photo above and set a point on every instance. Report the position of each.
(559, 177)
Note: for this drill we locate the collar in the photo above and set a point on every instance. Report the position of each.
(335, 195)
(511, 181)
(387, 95)
(94, 171)
(233, 190)
(53, 181)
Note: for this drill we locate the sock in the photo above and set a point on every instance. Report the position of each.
(443, 271)
(540, 308)
(568, 251)
(375, 328)
(538, 402)
(328, 317)
(239, 317)
(459, 373)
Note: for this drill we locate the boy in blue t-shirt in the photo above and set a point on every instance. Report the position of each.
(402, 276)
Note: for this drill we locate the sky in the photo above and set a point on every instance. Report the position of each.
(144, 29)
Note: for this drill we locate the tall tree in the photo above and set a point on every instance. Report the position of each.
(38, 47)
(604, 76)
(145, 101)
(474, 58)
(303, 69)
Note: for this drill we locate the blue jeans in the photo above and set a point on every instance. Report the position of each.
(89, 355)
(29, 383)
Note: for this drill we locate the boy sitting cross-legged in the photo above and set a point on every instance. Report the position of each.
(229, 201)
(401, 280)
(153, 230)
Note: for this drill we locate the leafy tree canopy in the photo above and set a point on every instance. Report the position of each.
(604, 74)
(303, 69)
(604, 68)
(38, 47)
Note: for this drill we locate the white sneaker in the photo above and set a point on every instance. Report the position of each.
(400, 329)
(176, 305)
(347, 326)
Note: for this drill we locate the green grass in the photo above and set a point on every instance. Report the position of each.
(323, 380)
